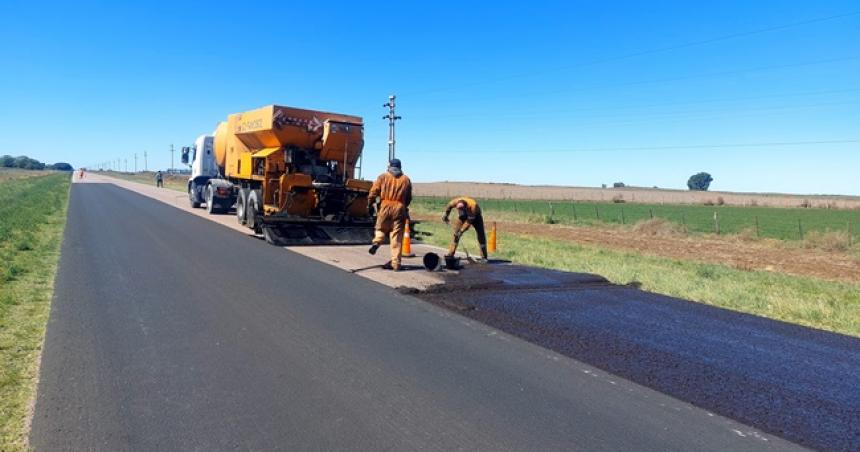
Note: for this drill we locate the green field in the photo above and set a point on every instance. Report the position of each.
(770, 222)
(833, 306)
(32, 218)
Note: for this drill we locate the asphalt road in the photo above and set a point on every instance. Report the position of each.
(170, 332)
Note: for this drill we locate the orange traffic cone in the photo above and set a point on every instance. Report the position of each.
(406, 247)
(492, 245)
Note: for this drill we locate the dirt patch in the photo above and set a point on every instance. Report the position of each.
(734, 251)
(658, 227)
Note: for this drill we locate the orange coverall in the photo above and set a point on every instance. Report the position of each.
(396, 194)
(472, 217)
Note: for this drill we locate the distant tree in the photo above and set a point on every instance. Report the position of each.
(24, 162)
(62, 166)
(700, 182)
(618, 185)
(7, 161)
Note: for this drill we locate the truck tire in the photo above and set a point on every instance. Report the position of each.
(192, 195)
(242, 206)
(210, 205)
(252, 212)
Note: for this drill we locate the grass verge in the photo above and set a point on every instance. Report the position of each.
(178, 182)
(826, 305)
(32, 219)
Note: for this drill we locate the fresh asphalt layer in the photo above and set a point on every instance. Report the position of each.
(170, 332)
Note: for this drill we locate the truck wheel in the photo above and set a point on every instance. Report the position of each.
(192, 196)
(210, 196)
(252, 211)
(242, 206)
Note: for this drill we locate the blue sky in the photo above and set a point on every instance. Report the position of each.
(566, 93)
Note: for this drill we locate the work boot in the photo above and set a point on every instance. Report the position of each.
(373, 248)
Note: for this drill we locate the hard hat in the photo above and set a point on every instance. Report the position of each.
(395, 163)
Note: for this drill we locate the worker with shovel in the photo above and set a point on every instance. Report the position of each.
(395, 190)
(468, 215)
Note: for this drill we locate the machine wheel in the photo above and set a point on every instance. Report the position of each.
(192, 195)
(252, 211)
(210, 195)
(242, 206)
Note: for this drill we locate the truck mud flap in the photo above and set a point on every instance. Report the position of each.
(311, 234)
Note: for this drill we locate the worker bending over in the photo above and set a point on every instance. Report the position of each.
(395, 190)
(468, 214)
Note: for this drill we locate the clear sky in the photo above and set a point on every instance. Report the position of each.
(567, 93)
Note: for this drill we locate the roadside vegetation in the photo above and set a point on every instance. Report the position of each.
(177, 182)
(32, 218)
(817, 303)
(761, 222)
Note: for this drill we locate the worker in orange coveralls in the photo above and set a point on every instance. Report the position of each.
(468, 214)
(395, 190)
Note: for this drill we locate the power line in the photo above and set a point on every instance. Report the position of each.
(553, 112)
(649, 51)
(674, 79)
(664, 148)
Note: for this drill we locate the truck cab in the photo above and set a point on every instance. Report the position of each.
(201, 158)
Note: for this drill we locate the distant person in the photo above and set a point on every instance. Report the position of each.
(395, 190)
(159, 179)
(81, 175)
(468, 215)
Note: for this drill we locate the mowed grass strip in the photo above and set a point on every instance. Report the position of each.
(32, 218)
(826, 305)
(766, 222)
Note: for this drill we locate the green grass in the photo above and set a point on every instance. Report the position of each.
(178, 182)
(773, 222)
(32, 218)
(805, 301)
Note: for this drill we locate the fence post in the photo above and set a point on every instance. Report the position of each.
(684, 222)
(716, 222)
(622, 216)
(800, 229)
(574, 211)
(756, 227)
(651, 211)
(850, 233)
(551, 213)
(597, 212)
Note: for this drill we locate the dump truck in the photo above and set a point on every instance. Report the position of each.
(290, 172)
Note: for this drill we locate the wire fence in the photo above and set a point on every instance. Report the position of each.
(770, 222)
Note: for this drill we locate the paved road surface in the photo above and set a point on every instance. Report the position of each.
(170, 332)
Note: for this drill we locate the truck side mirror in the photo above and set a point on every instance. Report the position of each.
(185, 151)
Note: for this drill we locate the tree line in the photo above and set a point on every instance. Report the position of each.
(24, 162)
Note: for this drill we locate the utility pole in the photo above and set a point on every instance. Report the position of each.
(135, 162)
(125, 162)
(171, 157)
(391, 117)
(144, 162)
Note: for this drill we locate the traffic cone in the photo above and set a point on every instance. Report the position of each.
(406, 247)
(492, 245)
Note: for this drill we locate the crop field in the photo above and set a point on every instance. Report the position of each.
(32, 218)
(765, 222)
(631, 195)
